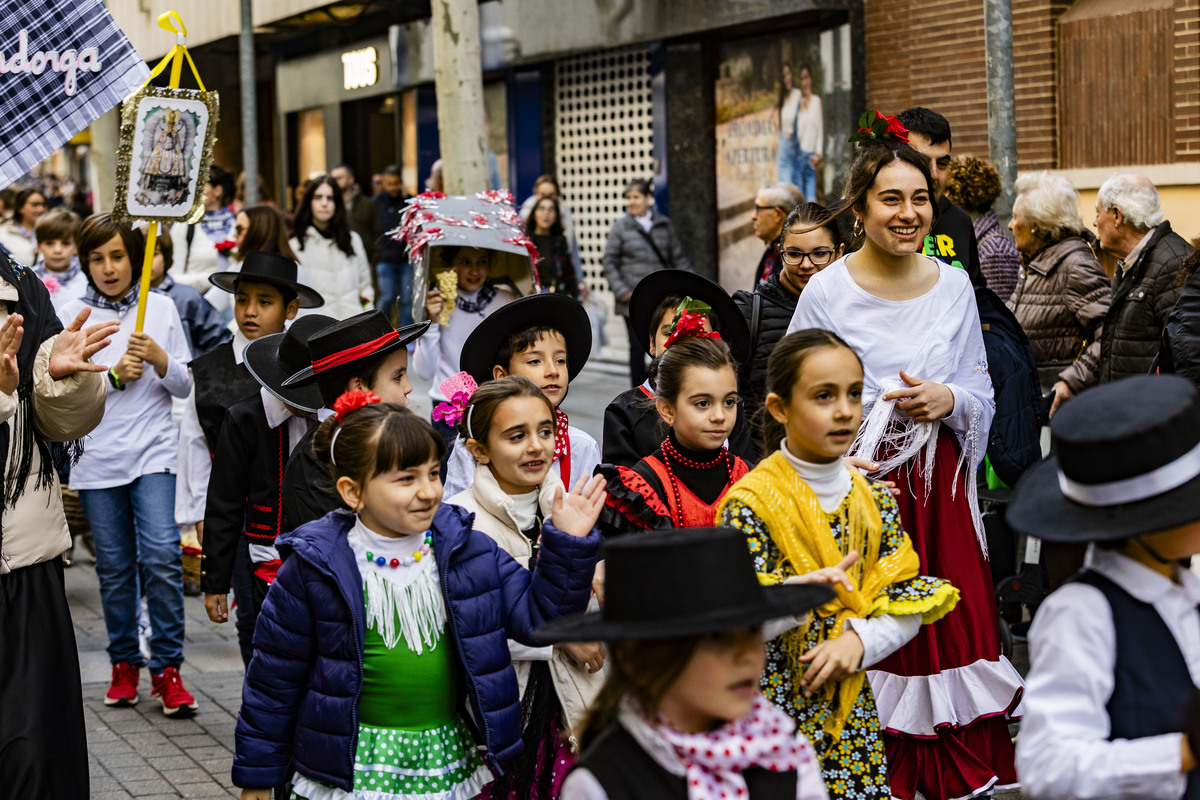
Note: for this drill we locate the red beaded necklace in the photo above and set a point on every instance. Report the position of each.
(670, 452)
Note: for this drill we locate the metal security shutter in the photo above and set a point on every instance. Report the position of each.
(603, 126)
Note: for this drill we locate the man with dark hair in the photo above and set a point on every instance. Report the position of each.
(360, 211)
(953, 237)
(196, 246)
(393, 273)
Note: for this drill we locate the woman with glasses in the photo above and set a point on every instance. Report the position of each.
(808, 242)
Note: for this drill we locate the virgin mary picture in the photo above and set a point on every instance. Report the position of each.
(173, 145)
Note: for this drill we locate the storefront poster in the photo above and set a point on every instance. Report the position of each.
(781, 107)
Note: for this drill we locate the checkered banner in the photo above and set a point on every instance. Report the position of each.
(63, 63)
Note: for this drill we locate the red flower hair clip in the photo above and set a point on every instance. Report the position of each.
(690, 324)
(352, 401)
(874, 126)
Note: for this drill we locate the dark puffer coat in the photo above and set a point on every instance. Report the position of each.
(300, 697)
(1142, 300)
(1061, 298)
(775, 314)
(1181, 338)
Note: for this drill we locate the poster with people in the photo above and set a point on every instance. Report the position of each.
(781, 103)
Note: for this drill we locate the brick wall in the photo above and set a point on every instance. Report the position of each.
(1187, 80)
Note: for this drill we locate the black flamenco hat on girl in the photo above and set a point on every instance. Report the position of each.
(271, 359)
(662, 283)
(339, 348)
(558, 311)
(272, 268)
(1125, 462)
(683, 582)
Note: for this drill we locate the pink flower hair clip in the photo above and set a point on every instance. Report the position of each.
(459, 389)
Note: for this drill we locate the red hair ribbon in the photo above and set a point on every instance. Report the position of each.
(352, 401)
(354, 353)
(690, 324)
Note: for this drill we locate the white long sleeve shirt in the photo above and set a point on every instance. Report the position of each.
(436, 356)
(1063, 751)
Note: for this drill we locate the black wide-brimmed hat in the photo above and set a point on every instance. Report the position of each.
(271, 359)
(272, 268)
(1125, 462)
(558, 311)
(678, 583)
(651, 290)
(341, 347)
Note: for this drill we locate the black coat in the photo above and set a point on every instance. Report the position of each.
(308, 491)
(1181, 337)
(953, 240)
(220, 383)
(776, 307)
(633, 430)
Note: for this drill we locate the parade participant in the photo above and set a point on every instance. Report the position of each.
(928, 408)
(260, 228)
(201, 245)
(202, 324)
(680, 714)
(437, 354)
(681, 482)
(50, 391)
(58, 265)
(364, 352)
(244, 505)
(804, 251)
(386, 628)
(19, 237)
(772, 205)
(511, 496)
(633, 428)
(332, 256)
(1112, 705)
(556, 271)
(544, 338)
(802, 509)
(125, 477)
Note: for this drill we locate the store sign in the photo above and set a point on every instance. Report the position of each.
(359, 68)
(70, 62)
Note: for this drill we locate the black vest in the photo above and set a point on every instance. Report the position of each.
(627, 772)
(1153, 687)
(220, 382)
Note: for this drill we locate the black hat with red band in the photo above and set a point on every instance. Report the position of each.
(342, 347)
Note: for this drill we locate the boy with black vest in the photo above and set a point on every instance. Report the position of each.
(245, 492)
(1111, 699)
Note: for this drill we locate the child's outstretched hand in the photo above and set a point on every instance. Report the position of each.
(11, 335)
(833, 659)
(75, 345)
(576, 513)
(830, 575)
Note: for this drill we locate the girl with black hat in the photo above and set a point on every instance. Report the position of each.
(680, 714)
(1112, 706)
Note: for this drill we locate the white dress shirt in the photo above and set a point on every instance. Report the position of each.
(1063, 751)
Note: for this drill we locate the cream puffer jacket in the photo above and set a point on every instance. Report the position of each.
(495, 515)
(343, 280)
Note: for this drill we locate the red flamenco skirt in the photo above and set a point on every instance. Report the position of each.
(946, 697)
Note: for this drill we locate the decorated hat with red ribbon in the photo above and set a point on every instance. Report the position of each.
(342, 347)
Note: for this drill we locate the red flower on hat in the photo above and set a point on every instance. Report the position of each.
(691, 323)
(875, 126)
(352, 401)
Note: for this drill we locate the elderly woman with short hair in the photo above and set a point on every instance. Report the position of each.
(1062, 291)
(974, 184)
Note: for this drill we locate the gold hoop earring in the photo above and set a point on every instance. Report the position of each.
(858, 227)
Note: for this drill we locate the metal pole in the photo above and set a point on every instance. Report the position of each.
(249, 104)
(458, 82)
(1002, 115)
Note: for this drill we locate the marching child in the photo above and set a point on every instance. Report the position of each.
(362, 352)
(245, 491)
(125, 476)
(381, 646)
(633, 428)
(58, 265)
(546, 338)
(802, 509)
(681, 482)
(203, 324)
(1111, 700)
(508, 427)
(680, 714)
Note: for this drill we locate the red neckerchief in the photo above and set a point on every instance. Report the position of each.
(562, 446)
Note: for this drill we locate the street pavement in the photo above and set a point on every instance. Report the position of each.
(139, 752)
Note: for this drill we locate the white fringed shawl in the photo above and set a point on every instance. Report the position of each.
(404, 602)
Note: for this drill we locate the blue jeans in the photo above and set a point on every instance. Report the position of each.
(785, 160)
(806, 176)
(395, 284)
(135, 534)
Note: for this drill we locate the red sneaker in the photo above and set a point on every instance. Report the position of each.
(168, 688)
(123, 690)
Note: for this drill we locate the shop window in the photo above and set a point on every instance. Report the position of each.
(311, 142)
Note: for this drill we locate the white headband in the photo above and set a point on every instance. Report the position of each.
(1139, 487)
(470, 411)
(332, 440)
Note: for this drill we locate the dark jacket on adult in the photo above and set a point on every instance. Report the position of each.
(776, 306)
(629, 256)
(1143, 297)
(953, 240)
(1061, 298)
(364, 220)
(299, 700)
(389, 210)
(1181, 337)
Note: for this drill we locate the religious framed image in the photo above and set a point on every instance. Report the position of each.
(166, 146)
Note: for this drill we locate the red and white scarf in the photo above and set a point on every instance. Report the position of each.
(562, 439)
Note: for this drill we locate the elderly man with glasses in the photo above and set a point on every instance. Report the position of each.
(772, 204)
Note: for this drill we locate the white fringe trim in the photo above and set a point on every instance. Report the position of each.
(920, 704)
(419, 607)
(471, 787)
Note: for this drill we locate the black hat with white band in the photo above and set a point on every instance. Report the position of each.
(1125, 462)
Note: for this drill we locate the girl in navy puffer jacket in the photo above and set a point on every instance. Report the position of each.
(381, 659)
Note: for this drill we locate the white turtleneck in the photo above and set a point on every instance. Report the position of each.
(525, 507)
(831, 482)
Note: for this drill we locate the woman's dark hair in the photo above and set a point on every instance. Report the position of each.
(374, 439)
(639, 185)
(783, 372)
(484, 404)
(693, 351)
(339, 225)
(267, 231)
(556, 228)
(96, 231)
(811, 217)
